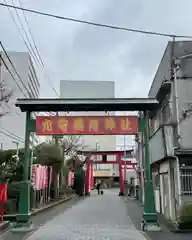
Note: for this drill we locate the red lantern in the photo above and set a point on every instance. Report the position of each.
(3, 198)
(3, 193)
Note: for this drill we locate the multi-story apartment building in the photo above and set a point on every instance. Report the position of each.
(170, 129)
(93, 89)
(19, 77)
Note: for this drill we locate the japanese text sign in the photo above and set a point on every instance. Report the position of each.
(87, 125)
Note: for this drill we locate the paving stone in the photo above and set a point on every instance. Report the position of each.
(95, 218)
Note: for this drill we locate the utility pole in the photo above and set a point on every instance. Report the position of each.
(96, 157)
(1, 146)
(56, 137)
(174, 97)
(17, 149)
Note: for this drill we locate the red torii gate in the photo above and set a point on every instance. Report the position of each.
(119, 161)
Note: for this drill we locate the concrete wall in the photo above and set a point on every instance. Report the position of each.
(163, 72)
(184, 85)
(156, 145)
(185, 101)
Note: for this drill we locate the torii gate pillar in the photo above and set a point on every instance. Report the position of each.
(121, 181)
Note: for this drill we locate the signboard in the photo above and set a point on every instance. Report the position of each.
(86, 125)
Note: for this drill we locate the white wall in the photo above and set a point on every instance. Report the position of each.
(12, 125)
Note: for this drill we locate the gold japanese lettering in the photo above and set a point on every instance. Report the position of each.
(47, 125)
(78, 124)
(125, 124)
(110, 123)
(63, 124)
(94, 125)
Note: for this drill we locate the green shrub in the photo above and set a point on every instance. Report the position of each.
(65, 190)
(79, 182)
(11, 206)
(13, 190)
(185, 215)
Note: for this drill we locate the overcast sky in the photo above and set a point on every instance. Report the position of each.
(82, 52)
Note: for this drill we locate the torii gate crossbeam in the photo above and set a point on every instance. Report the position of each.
(144, 105)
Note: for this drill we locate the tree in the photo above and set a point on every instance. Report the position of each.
(5, 95)
(49, 154)
(11, 166)
(53, 154)
(71, 144)
(73, 162)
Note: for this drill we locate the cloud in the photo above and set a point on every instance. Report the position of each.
(81, 52)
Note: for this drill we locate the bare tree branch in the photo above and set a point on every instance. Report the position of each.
(5, 96)
(71, 144)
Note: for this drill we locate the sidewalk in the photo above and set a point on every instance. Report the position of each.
(95, 218)
(135, 210)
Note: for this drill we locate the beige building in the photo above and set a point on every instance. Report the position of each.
(93, 89)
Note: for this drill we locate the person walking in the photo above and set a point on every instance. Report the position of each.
(98, 186)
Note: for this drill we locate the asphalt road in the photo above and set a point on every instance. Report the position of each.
(95, 218)
(41, 219)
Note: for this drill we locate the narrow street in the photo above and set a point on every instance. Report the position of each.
(95, 218)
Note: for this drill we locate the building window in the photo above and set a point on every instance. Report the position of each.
(186, 180)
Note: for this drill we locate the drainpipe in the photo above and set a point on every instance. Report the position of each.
(175, 106)
(176, 128)
(178, 180)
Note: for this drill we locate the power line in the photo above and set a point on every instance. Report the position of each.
(39, 58)
(6, 66)
(10, 61)
(96, 24)
(31, 34)
(31, 51)
(12, 137)
(21, 35)
(11, 74)
(26, 35)
(13, 134)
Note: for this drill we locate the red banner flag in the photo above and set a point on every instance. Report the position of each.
(86, 125)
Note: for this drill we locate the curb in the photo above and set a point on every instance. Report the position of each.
(37, 211)
(4, 226)
(51, 205)
(165, 224)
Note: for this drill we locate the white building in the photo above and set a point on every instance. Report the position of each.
(92, 89)
(23, 83)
